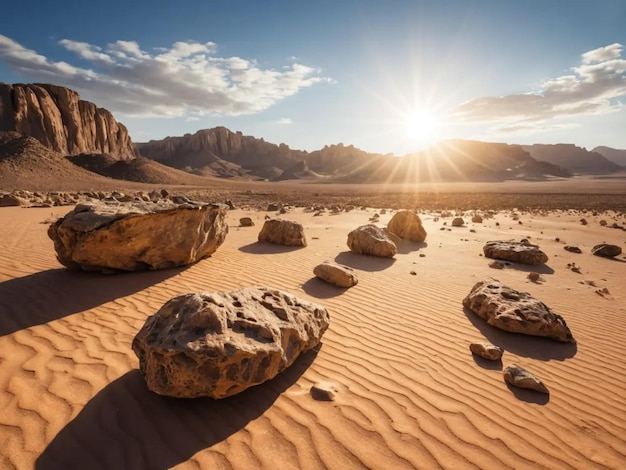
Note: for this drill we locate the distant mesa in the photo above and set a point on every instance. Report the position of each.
(614, 155)
(576, 159)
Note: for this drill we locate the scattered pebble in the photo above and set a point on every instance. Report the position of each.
(324, 391)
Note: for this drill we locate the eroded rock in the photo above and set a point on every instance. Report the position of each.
(217, 344)
(487, 351)
(137, 236)
(517, 252)
(518, 312)
(521, 378)
(336, 274)
(407, 225)
(283, 232)
(371, 240)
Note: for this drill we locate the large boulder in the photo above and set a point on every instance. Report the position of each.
(371, 240)
(282, 232)
(518, 252)
(606, 251)
(336, 274)
(408, 225)
(518, 312)
(137, 236)
(217, 344)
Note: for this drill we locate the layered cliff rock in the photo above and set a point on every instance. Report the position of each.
(214, 148)
(61, 121)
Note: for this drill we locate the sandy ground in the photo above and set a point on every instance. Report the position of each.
(411, 395)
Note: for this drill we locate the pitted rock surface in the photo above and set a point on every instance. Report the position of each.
(217, 344)
(517, 252)
(518, 312)
(282, 232)
(407, 225)
(137, 236)
(371, 240)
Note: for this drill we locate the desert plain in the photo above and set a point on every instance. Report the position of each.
(410, 394)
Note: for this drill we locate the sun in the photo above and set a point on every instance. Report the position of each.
(422, 126)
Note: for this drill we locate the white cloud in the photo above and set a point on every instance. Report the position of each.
(592, 88)
(284, 121)
(186, 79)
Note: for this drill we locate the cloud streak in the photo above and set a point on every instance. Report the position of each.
(187, 79)
(592, 88)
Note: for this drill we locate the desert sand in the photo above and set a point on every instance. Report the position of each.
(410, 393)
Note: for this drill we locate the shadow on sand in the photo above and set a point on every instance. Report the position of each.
(363, 262)
(49, 295)
(127, 426)
(262, 248)
(529, 396)
(322, 290)
(535, 347)
(527, 268)
(407, 246)
(486, 363)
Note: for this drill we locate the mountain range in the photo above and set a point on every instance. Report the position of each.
(44, 126)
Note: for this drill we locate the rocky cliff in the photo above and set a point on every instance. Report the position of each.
(615, 155)
(211, 148)
(61, 121)
(577, 159)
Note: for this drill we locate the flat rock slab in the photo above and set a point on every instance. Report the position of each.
(137, 236)
(336, 274)
(217, 344)
(487, 351)
(407, 225)
(371, 240)
(517, 252)
(518, 312)
(521, 378)
(282, 232)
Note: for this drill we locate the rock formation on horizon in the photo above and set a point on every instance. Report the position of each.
(61, 121)
(615, 155)
(575, 159)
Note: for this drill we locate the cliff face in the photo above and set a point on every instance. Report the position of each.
(576, 159)
(207, 147)
(61, 121)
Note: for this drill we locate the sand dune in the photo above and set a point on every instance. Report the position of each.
(410, 393)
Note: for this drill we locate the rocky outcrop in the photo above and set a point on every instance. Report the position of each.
(61, 121)
(407, 225)
(518, 312)
(217, 344)
(371, 240)
(282, 232)
(521, 378)
(138, 236)
(518, 252)
(575, 159)
(336, 274)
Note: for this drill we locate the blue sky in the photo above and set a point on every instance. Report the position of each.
(385, 76)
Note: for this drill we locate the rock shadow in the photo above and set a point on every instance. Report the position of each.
(49, 295)
(534, 347)
(529, 396)
(127, 426)
(321, 289)
(527, 268)
(486, 363)
(408, 246)
(363, 262)
(263, 248)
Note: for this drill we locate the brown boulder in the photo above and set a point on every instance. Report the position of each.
(517, 252)
(336, 274)
(521, 378)
(487, 351)
(408, 225)
(217, 344)
(606, 251)
(518, 312)
(458, 222)
(282, 232)
(137, 236)
(371, 240)
(246, 222)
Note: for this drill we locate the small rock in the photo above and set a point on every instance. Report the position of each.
(521, 378)
(458, 222)
(583, 221)
(408, 225)
(324, 391)
(487, 351)
(496, 265)
(519, 252)
(606, 251)
(336, 274)
(573, 249)
(246, 222)
(371, 240)
(534, 277)
(282, 232)
(413, 273)
(603, 223)
(477, 219)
